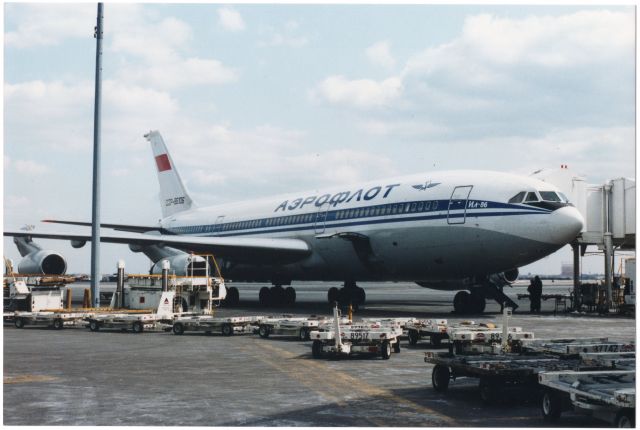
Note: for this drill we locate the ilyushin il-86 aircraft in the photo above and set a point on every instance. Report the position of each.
(450, 230)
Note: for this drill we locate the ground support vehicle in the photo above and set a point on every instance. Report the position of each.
(607, 395)
(57, 320)
(299, 327)
(135, 319)
(485, 338)
(496, 372)
(361, 337)
(435, 330)
(210, 324)
(575, 347)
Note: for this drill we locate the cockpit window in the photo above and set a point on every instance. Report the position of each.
(518, 197)
(531, 197)
(549, 196)
(563, 197)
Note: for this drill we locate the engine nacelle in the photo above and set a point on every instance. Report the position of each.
(182, 265)
(43, 262)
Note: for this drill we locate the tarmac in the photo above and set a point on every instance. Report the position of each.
(78, 377)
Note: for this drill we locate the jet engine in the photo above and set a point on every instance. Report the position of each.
(511, 275)
(37, 260)
(182, 265)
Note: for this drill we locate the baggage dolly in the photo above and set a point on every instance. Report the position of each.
(136, 320)
(435, 330)
(291, 326)
(57, 320)
(606, 395)
(209, 324)
(346, 339)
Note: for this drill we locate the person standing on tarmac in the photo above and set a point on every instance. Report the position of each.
(535, 294)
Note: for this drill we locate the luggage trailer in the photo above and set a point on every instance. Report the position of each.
(606, 395)
(136, 320)
(496, 372)
(338, 339)
(210, 324)
(56, 319)
(287, 325)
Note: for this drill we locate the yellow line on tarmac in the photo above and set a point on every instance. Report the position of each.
(21, 379)
(315, 383)
(344, 382)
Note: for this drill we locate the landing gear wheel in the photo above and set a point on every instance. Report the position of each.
(625, 419)
(344, 297)
(94, 326)
(289, 296)
(332, 295)
(304, 333)
(551, 406)
(385, 350)
(58, 324)
(178, 328)
(263, 331)
(360, 296)
(435, 341)
(396, 347)
(233, 297)
(137, 327)
(264, 297)
(477, 303)
(461, 302)
(488, 391)
(440, 376)
(316, 349)
(277, 295)
(19, 323)
(414, 336)
(226, 329)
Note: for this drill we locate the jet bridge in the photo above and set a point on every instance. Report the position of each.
(609, 211)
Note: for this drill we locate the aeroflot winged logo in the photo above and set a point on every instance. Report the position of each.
(426, 185)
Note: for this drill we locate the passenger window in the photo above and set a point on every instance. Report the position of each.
(518, 197)
(413, 207)
(549, 196)
(406, 208)
(531, 197)
(435, 205)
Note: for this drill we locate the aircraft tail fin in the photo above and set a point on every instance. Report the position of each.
(173, 194)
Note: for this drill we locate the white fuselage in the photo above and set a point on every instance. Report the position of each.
(436, 226)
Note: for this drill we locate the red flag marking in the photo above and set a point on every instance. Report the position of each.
(163, 162)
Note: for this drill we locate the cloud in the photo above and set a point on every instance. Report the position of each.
(30, 167)
(288, 35)
(47, 25)
(230, 19)
(358, 93)
(380, 54)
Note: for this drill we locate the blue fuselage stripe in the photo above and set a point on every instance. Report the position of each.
(334, 223)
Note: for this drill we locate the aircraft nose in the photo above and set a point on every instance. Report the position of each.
(568, 223)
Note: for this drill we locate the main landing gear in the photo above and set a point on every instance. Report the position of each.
(277, 296)
(349, 294)
(474, 302)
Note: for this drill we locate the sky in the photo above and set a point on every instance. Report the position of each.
(256, 100)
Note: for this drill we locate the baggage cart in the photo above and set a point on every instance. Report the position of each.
(435, 330)
(210, 324)
(299, 327)
(57, 320)
(136, 320)
(606, 395)
(361, 337)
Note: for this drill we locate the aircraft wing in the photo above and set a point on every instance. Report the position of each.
(120, 227)
(237, 249)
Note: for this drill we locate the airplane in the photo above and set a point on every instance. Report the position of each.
(461, 230)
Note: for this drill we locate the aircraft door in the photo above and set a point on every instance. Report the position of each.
(321, 218)
(457, 202)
